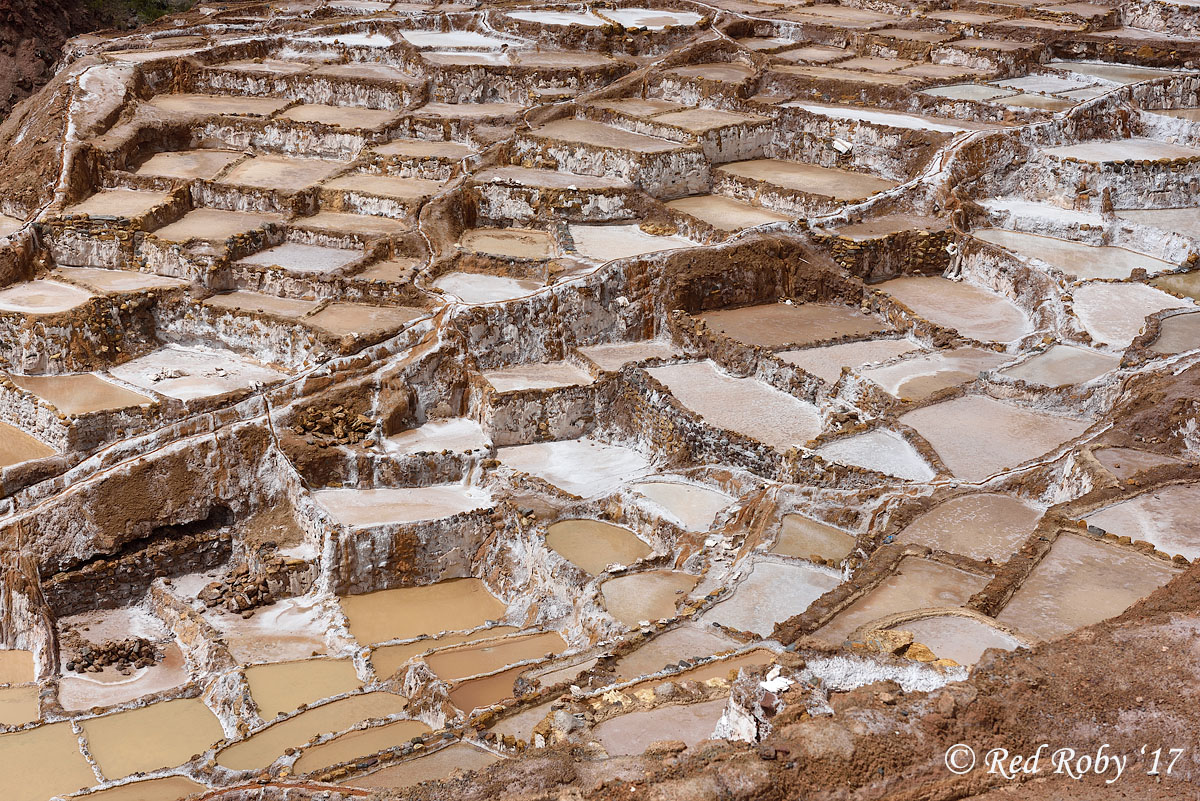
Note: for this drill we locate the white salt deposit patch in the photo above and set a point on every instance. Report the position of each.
(582, 467)
(550, 375)
(190, 373)
(479, 288)
(1074, 258)
(286, 630)
(307, 259)
(844, 673)
(373, 507)
(1044, 84)
(892, 119)
(558, 18)
(351, 39)
(744, 405)
(880, 450)
(1116, 313)
(691, 505)
(616, 355)
(826, 362)
(1165, 517)
(1063, 364)
(652, 18)
(923, 375)
(42, 297)
(772, 593)
(452, 39)
(607, 242)
(457, 434)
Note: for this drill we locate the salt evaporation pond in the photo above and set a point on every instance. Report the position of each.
(51, 763)
(458, 434)
(431, 767)
(1128, 462)
(285, 686)
(42, 297)
(607, 242)
(689, 504)
(1074, 258)
(1177, 334)
(148, 738)
(685, 642)
(362, 508)
(80, 394)
(972, 311)
(194, 373)
(653, 595)
(1116, 313)
(167, 788)
(482, 288)
(774, 325)
(957, 637)
(1063, 365)
(399, 614)
(593, 545)
(772, 593)
(982, 526)
(388, 659)
(921, 376)
(1081, 582)
(880, 450)
(581, 467)
(475, 659)
(806, 538)
(289, 629)
(1165, 517)
(631, 733)
(355, 744)
(826, 362)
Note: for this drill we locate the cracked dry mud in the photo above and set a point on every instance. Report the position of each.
(747, 400)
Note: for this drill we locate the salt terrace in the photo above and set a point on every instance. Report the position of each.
(395, 390)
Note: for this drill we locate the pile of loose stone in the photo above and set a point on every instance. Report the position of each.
(132, 652)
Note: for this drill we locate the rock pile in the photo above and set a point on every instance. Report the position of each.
(335, 426)
(133, 652)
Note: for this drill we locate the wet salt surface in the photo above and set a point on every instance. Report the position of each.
(981, 526)
(826, 362)
(17, 667)
(593, 545)
(919, 377)
(1080, 582)
(1102, 151)
(388, 659)
(168, 788)
(283, 687)
(121, 203)
(480, 288)
(881, 450)
(16, 446)
(1177, 334)
(9, 225)
(1128, 462)
(513, 243)
(458, 434)
(51, 763)
(607, 242)
(236, 105)
(192, 373)
(157, 736)
(293, 628)
(77, 691)
(1165, 517)
(652, 595)
(1116, 313)
(452, 39)
(614, 356)
(549, 375)
(19, 705)
(1062, 365)
(916, 584)
(213, 225)
(475, 659)
(838, 184)
(1074, 258)
(373, 507)
(282, 173)
(805, 538)
(960, 638)
(432, 767)
(743, 405)
(455, 605)
(100, 280)
(199, 164)
(975, 312)
(359, 319)
(691, 505)
(775, 324)
(725, 213)
(581, 467)
(42, 297)
(685, 642)
(652, 18)
(356, 744)
(976, 436)
(80, 394)
(304, 259)
(771, 594)
(631, 733)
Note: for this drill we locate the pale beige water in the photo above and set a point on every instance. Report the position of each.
(692, 505)
(203, 165)
(725, 213)
(219, 104)
(1164, 516)
(684, 642)
(385, 186)
(776, 324)
(387, 659)
(157, 736)
(471, 660)
(1116, 313)
(881, 450)
(653, 595)
(522, 724)
(349, 319)
(544, 375)
(433, 767)
(977, 436)
(800, 177)
(982, 526)
(1128, 462)
(214, 225)
(16, 446)
(1101, 151)
(288, 308)
(916, 584)
(512, 243)
(42, 297)
(17, 667)
(51, 763)
(771, 594)
(19, 705)
(826, 362)
(284, 686)
(267, 745)
(1062, 365)
(1187, 284)
(593, 545)
(1178, 333)
(356, 744)
(80, 394)
(743, 405)
(726, 668)
(108, 687)
(1081, 582)
(125, 203)
(168, 788)
(360, 508)
(921, 376)
(973, 311)
(412, 611)
(631, 733)
(962, 639)
(805, 538)
(105, 281)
